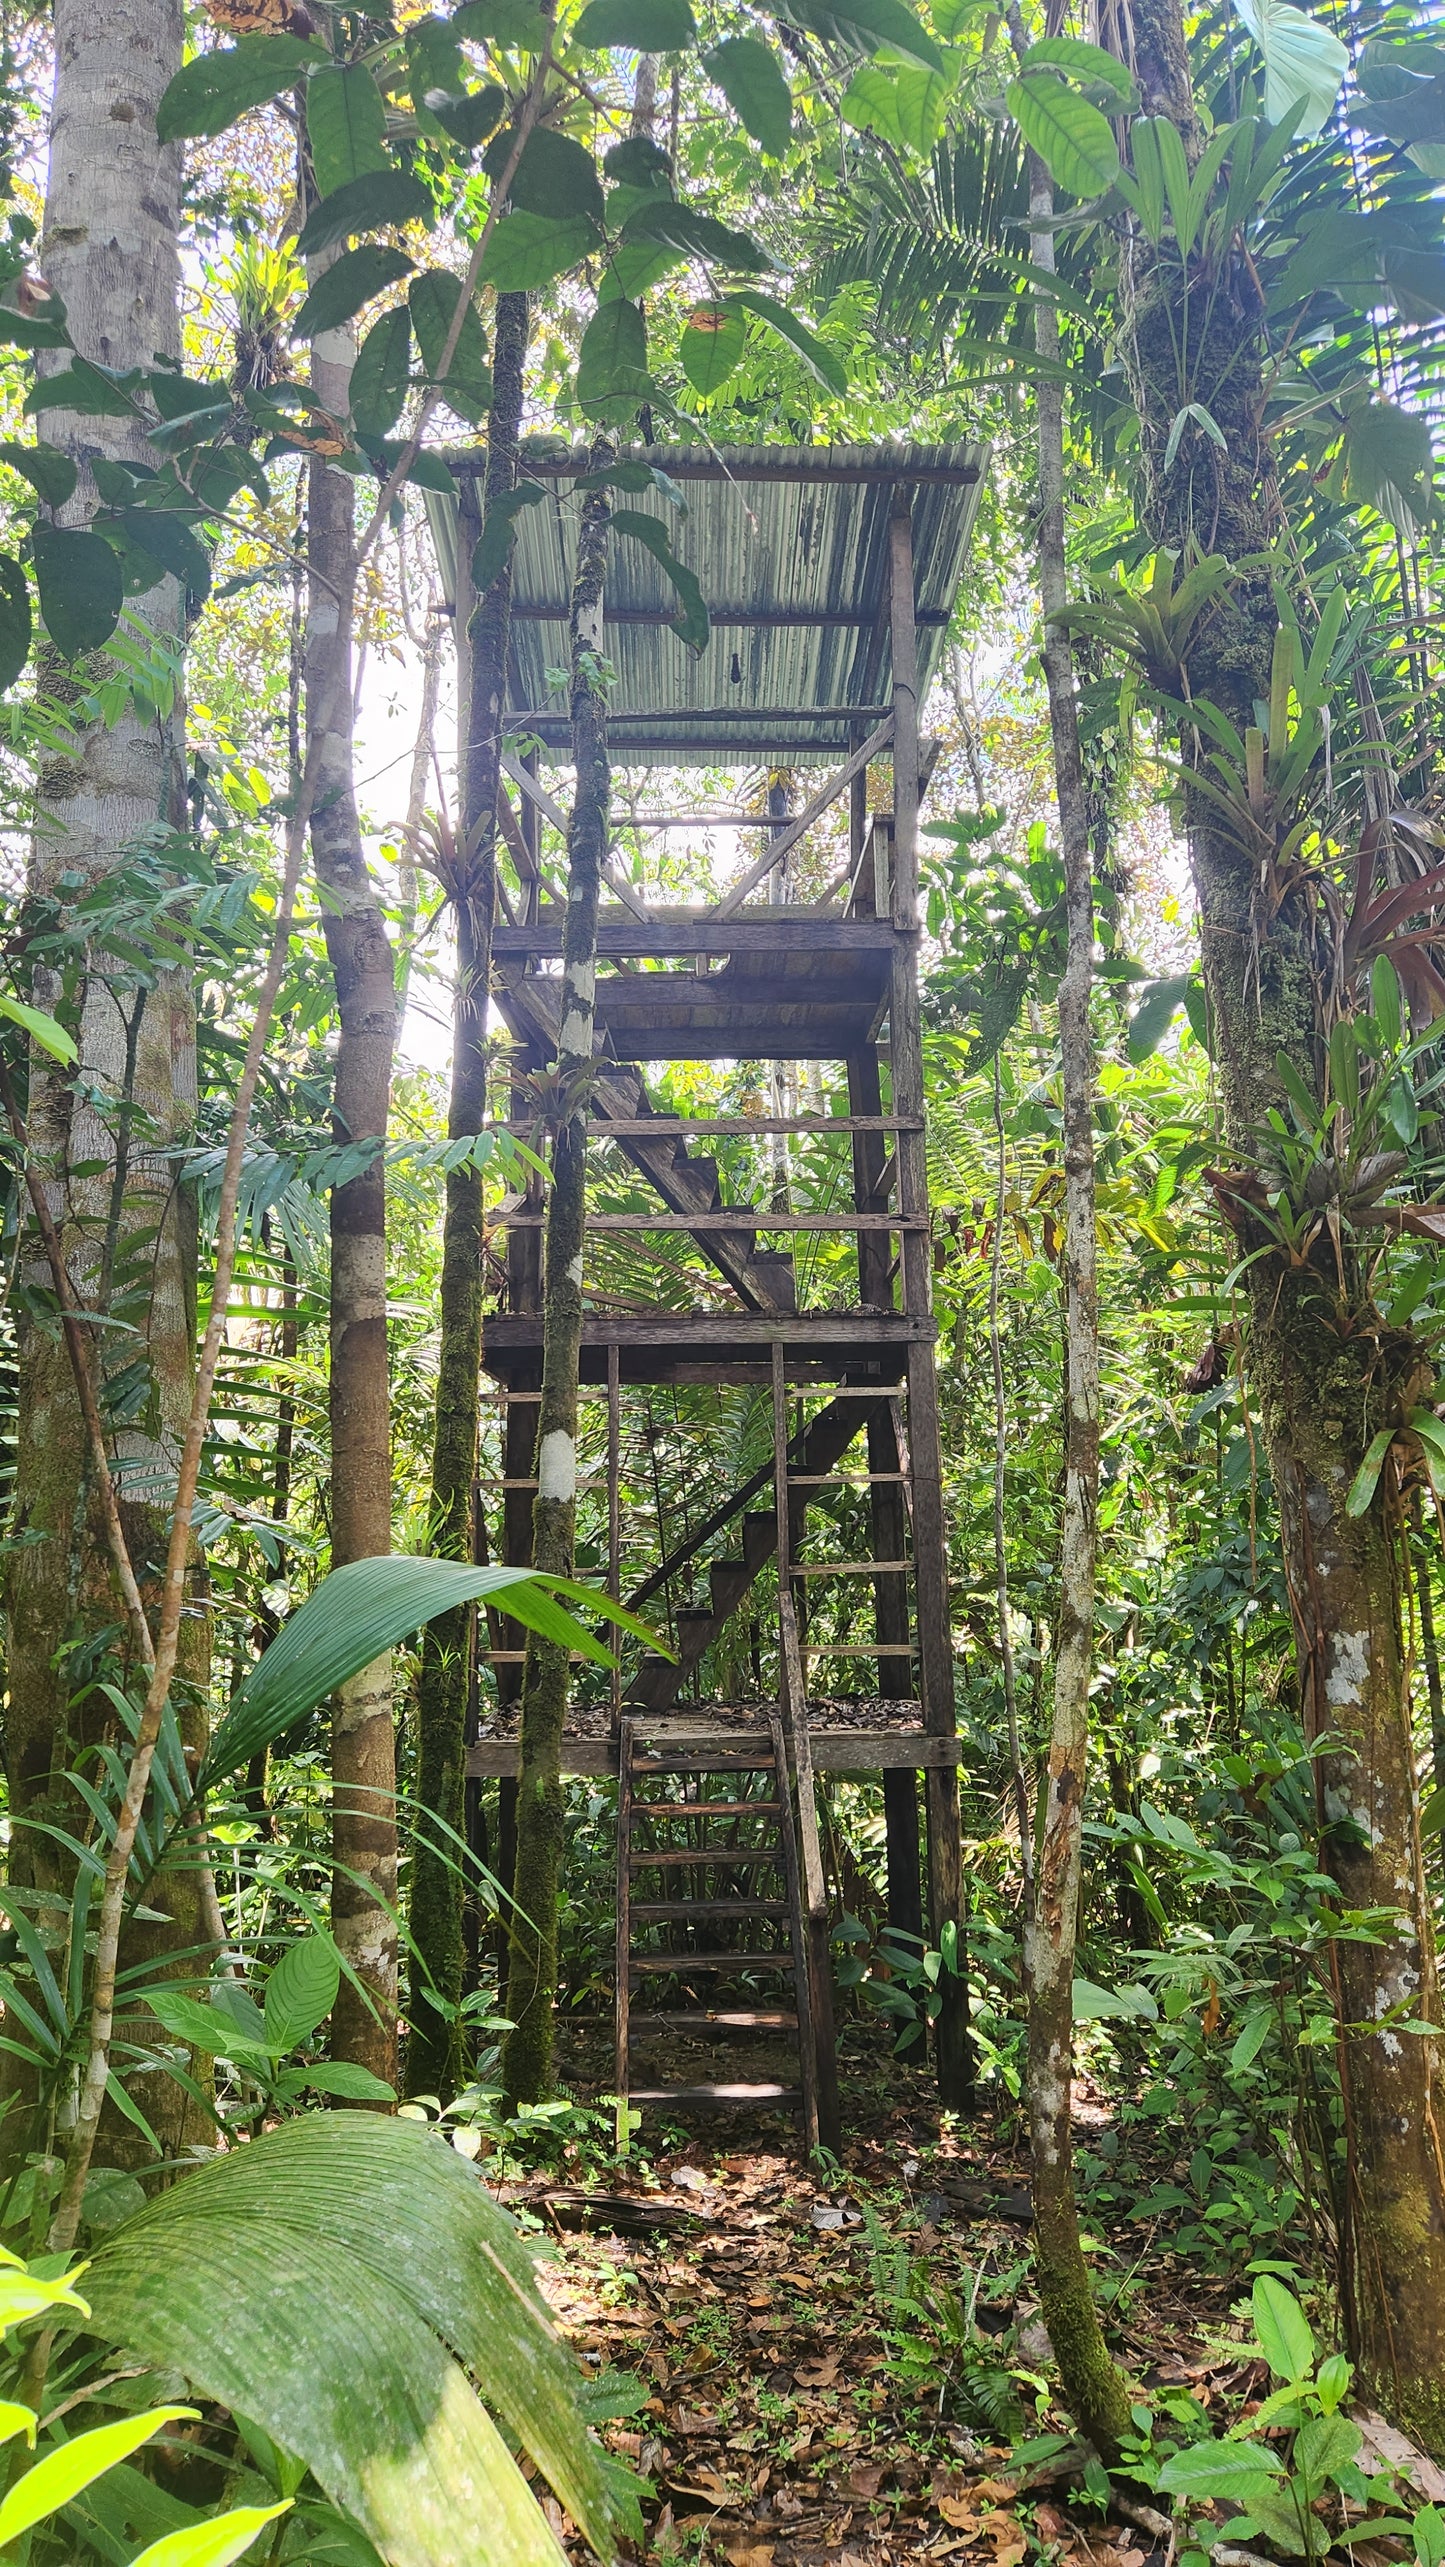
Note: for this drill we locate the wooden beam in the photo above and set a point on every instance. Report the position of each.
(812, 812)
(743, 1216)
(541, 800)
(658, 1127)
(788, 930)
(833, 1751)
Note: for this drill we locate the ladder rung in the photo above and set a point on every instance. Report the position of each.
(850, 1569)
(652, 1963)
(840, 1479)
(704, 1760)
(858, 1649)
(712, 1808)
(673, 1858)
(723, 2098)
(715, 2019)
(655, 1911)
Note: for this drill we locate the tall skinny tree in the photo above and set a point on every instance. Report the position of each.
(532, 1975)
(435, 2062)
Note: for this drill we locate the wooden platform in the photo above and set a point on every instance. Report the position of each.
(821, 1345)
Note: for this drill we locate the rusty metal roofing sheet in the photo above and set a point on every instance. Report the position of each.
(790, 545)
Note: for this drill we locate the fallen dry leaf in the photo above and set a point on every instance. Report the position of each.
(1009, 2546)
(745, 2549)
(865, 2478)
(819, 2374)
(958, 2513)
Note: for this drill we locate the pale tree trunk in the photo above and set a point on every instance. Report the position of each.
(435, 2056)
(102, 1133)
(1323, 1389)
(532, 1975)
(1095, 2391)
(363, 1752)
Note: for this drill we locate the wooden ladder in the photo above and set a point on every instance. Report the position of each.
(710, 1895)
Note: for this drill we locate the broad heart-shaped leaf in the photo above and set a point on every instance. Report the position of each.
(87, 389)
(339, 2077)
(904, 106)
(359, 1612)
(822, 362)
(1416, 283)
(528, 250)
(554, 176)
(301, 1991)
(379, 376)
(868, 23)
(218, 87)
(212, 2544)
(50, 474)
(501, 22)
(81, 587)
(15, 624)
(1388, 459)
(711, 346)
(1158, 1006)
(1074, 141)
(1282, 2328)
(692, 624)
(345, 125)
(612, 361)
(751, 80)
(62, 2474)
(432, 302)
(314, 2282)
(493, 547)
(1302, 59)
(1084, 61)
(1231, 2469)
(637, 26)
(369, 204)
(338, 295)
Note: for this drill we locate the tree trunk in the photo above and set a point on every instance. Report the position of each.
(1095, 2391)
(1322, 1384)
(363, 1818)
(436, 2055)
(532, 1976)
(102, 1133)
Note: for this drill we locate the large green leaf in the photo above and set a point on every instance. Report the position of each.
(639, 26)
(1302, 59)
(528, 250)
(1074, 140)
(339, 294)
(345, 126)
(62, 2474)
(822, 362)
(906, 107)
(216, 88)
(367, 204)
(432, 301)
(359, 1612)
(687, 227)
(493, 547)
(868, 23)
(14, 620)
(301, 1991)
(554, 175)
(1388, 459)
(712, 344)
(320, 2282)
(692, 623)
(81, 586)
(1283, 2329)
(51, 475)
(751, 80)
(212, 2544)
(612, 361)
(379, 376)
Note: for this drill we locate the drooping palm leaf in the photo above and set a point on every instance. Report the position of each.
(335, 2282)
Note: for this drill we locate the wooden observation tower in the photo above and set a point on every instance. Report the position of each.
(830, 575)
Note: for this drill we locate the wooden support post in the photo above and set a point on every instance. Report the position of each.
(624, 1925)
(935, 1637)
(821, 2036)
(614, 1512)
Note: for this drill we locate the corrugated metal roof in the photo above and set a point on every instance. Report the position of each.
(796, 535)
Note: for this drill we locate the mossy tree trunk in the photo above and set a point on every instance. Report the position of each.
(532, 1974)
(1325, 1374)
(1095, 2390)
(104, 1135)
(436, 2060)
(363, 1753)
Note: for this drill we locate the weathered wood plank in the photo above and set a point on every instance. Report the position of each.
(834, 1751)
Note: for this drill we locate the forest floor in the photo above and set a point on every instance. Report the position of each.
(797, 2334)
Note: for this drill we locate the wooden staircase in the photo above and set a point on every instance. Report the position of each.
(813, 1456)
(687, 1181)
(714, 1873)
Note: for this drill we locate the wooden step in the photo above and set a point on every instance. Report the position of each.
(652, 1964)
(666, 1911)
(713, 1808)
(674, 1858)
(705, 2024)
(718, 2098)
(704, 1760)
